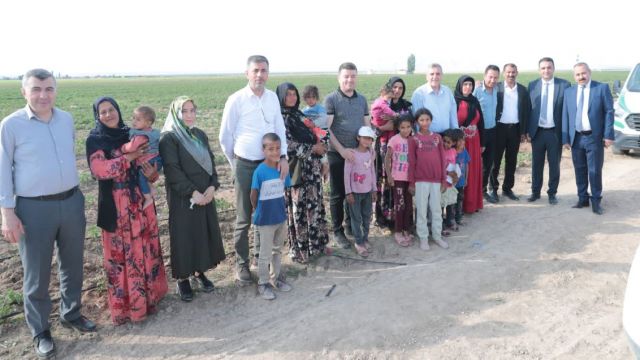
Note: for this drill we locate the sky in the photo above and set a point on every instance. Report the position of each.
(129, 37)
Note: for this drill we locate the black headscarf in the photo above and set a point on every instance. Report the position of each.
(293, 117)
(107, 139)
(471, 100)
(401, 105)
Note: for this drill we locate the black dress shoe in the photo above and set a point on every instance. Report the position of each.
(492, 198)
(81, 324)
(44, 346)
(533, 197)
(184, 290)
(205, 284)
(553, 200)
(581, 204)
(596, 208)
(510, 195)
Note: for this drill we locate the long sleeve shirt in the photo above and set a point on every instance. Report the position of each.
(489, 103)
(360, 175)
(36, 157)
(426, 159)
(441, 103)
(245, 120)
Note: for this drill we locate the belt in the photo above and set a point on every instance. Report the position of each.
(508, 125)
(544, 128)
(584, 132)
(247, 160)
(55, 197)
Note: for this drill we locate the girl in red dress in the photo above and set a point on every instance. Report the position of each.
(471, 122)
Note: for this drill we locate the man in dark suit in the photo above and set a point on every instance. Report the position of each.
(545, 128)
(512, 113)
(587, 128)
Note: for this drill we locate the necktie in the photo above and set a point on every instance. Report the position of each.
(543, 108)
(579, 109)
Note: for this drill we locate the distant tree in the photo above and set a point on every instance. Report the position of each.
(411, 64)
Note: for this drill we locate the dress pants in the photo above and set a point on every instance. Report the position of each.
(49, 222)
(488, 155)
(336, 194)
(507, 145)
(243, 176)
(588, 157)
(546, 142)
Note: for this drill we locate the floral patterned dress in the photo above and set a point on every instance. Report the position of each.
(132, 254)
(308, 234)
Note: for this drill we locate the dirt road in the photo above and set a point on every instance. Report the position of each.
(520, 281)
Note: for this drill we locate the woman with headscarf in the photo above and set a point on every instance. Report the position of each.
(471, 122)
(136, 279)
(308, 234)
(384, 205)
(191, 181)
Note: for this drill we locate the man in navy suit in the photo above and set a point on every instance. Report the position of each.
(587, 128)
(545, 128)
(514, 106)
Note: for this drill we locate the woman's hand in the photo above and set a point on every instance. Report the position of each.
(136, 154)
(319, 149)
(198, 198)
(209, 193)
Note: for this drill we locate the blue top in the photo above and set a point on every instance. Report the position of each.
(318, 114)
(462, 159)
(488, 103)
(442, 105)
(271, 206)
(154, 138)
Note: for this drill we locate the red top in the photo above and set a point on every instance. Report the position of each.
(426, 159)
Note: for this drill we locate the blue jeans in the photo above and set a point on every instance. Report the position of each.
(360, 212)
(143, 183)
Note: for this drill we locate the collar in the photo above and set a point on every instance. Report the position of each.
(31, 115)
(515, 86)
(249, 92)
(431, 90)
(355, 94)
(550, 82)
(587, 85)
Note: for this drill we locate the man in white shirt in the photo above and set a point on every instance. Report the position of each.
(248, 115)
(438, 99)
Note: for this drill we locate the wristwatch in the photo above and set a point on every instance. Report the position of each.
(284, 157)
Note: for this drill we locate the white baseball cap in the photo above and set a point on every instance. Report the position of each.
(367, 131)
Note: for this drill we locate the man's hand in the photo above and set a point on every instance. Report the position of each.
(348, 155)
(12, 229)
(283, 167)
(608, 143)
(350, 199)
(567, 146)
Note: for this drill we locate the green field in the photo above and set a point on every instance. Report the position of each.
(209, 92)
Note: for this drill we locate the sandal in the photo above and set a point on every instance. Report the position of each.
(361, 250)
(367, 245)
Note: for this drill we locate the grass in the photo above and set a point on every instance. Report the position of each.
(9, 302)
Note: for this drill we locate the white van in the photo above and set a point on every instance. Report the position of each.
(626, 124)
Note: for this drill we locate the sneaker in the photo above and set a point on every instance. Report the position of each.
(205, 284)
(243, 274)
(341, 240)
(266, 292)
(184, 290)
(443, 244)
(424, 244)
(282, 286)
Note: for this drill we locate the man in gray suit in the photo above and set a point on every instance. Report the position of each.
(545, 128)
(42, 205)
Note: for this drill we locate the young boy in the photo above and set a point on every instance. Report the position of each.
(318, 114)
(462, 159)
(141, 133)
(270, 217)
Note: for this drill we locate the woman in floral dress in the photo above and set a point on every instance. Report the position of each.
(136, 279)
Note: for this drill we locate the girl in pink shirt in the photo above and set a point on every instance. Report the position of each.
(397, 165)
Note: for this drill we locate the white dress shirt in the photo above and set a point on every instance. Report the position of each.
(246, 119)
(586, 125)
(549, 123)
(510, 105)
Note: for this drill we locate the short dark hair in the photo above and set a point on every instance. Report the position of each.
(386, 89)
(504, 68)
(491, 67)
(255, 59)
(454, 134)
(147, 112)
(347, 66)
(40, 74)
(310, 91)
(422, 111)
(546, 59)
(402, 118)
(273, 137)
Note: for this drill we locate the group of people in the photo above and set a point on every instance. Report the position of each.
(442, 151)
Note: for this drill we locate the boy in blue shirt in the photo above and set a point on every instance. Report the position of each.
(462, 159)
(270, 217)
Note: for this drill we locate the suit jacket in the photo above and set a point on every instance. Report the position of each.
(524, 106)
(535, 93)
(600, 113)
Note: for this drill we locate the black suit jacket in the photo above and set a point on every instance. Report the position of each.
(535, 93)
(524, 106)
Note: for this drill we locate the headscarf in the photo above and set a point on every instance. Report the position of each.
(471, 100)
(401, 105)
(187, 138)
(293, 117)
(108, 139)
